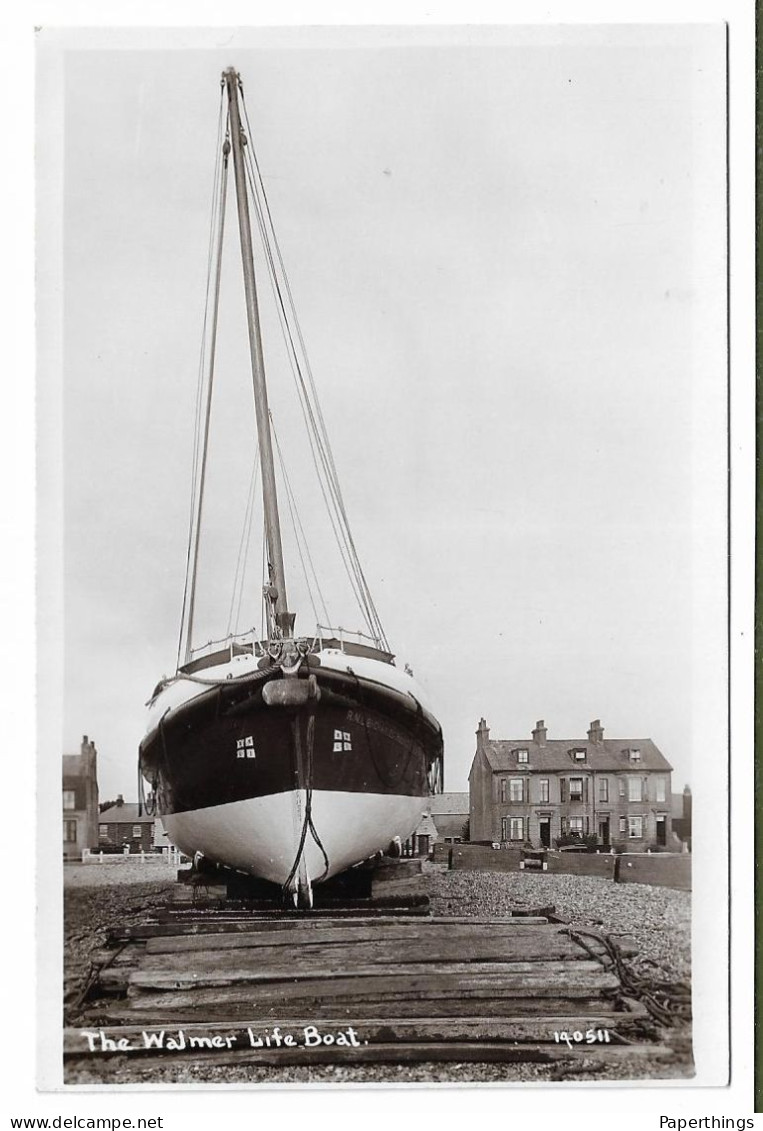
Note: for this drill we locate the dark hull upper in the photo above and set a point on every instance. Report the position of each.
(227, 744)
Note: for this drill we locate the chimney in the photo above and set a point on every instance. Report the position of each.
(483, 734)
(120, 799)
(687, 803)
(596, 732)
(539, 734)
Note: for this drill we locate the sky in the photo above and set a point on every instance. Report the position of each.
(506, 250)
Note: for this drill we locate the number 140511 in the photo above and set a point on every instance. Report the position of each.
(578, 1037)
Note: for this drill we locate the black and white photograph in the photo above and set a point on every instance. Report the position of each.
(383, 530)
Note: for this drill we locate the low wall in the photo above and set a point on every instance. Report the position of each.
(663, 869)
(582, 864)
(491, 859)
(672, 870)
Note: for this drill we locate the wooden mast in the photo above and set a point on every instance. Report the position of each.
(284, 619)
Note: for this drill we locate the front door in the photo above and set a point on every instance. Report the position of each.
(661, 832)
(604, 830)
(544, 827)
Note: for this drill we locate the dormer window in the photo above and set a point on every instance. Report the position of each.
(634, 755)
(578, 755)
(521, 755)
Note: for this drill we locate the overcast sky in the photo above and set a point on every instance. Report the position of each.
(505, 256)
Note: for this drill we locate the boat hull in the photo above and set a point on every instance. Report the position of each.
(264, 773)
(261, 835)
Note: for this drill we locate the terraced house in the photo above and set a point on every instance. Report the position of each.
(616, 789)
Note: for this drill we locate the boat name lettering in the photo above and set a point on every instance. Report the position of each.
(370, 723)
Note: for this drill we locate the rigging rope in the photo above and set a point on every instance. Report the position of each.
(296, 522)
(311, 407)
(243, 547)
(194, 516)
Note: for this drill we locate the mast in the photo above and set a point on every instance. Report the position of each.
(284, 619)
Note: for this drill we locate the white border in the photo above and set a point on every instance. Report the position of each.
(18, 474)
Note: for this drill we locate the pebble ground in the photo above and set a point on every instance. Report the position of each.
(97, 897)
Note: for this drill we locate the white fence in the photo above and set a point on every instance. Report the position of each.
(169, 855)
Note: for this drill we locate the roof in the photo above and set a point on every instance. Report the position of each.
(445, 803)
(73, 767)
(125, 814)
(426, 826)
(610, 754)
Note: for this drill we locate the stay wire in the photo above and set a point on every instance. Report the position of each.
(308, 369)
(244, 540)
(200, 379)
(316, 418)
(299, 529)
(210, 383)
(324, 479)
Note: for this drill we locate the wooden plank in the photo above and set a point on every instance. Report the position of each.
(581, 979)
(388, 888)
(250, 924)
(418, 1053)
(351, 956)
(372, 1030)
(179, 974)
(226, 1004)
(425, 936)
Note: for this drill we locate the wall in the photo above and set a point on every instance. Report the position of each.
(491, 859)
(660, 868)
(582, 864)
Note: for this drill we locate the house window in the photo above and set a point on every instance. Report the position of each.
(136, 831)
(543, 783)
(517, 789)
(342, 742)
(635, 828)
(634, 755)
(623, 824)
(103, 830)
(659, 789)
(575, 826)
(635, 789)
(513, 828)
(579, 755)
(504, 794)
(576, 789)
(69, 799)
(603, 789)
(521, 755)
(70, 832)
(621, 786)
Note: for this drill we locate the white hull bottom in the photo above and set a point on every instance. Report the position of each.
(261, 835)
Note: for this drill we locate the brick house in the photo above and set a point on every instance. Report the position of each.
(124, 824)
(442, 821)
(450, 812)
(535, 791)
(80, 800)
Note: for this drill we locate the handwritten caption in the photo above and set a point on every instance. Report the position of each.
(179, 1040)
